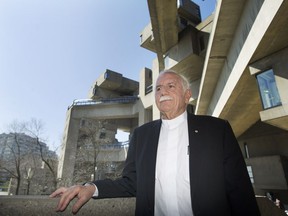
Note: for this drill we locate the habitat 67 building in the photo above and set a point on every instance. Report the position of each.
(236, 60)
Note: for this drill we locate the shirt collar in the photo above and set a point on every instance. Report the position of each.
(172, 123)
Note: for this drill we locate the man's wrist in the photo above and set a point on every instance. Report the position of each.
(95, 194)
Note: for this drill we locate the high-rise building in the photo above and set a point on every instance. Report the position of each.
(21, 152)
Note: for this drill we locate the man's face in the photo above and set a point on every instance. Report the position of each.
(170, 97)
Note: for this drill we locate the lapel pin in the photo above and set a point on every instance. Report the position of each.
(196, 131)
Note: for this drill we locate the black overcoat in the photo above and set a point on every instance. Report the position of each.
(219, 181)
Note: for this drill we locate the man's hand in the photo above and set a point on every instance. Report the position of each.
(83, 194)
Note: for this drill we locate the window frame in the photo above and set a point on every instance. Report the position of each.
(268, 103)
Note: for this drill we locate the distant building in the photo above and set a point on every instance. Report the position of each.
(36, 178)
(236, 62)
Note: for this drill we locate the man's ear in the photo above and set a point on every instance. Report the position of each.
(187, 95)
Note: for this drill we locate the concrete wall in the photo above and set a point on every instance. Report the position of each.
(234, 65)
(182, 49)
(269, 172)
(264, 140)
(44, 206)
(277, 116)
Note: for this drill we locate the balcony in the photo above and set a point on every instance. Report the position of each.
(276, 116)
(147, 39)
(167, 21)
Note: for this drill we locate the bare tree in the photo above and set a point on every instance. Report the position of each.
(28, 155)
(94, 145)
(29, 173)
(35, 129)
(89, 147)
(13, 163)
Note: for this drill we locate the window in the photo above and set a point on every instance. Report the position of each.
(82, 123)
(102, 135)
(166, 61)
(246, 150)
(250, 172)
(106, 75)
(202, 43)
(268, 89)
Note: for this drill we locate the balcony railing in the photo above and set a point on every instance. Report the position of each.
(85, 102)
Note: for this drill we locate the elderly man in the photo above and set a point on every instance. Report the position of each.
(181, 164)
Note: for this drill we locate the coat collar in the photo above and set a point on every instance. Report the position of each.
(195, 131)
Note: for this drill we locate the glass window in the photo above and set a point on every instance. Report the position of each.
(166, 61)
(268, 89)
(250, 172)
(102, 135)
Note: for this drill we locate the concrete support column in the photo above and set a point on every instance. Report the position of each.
(68, 157)
(281, 75)
(141, 116)
(155, 74)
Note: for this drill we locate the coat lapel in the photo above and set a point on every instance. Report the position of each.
(151, 162)
(195, 137)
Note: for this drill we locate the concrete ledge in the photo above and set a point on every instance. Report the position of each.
(268, 208)
(45, 206)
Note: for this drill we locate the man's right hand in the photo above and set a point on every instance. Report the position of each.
(82, 193)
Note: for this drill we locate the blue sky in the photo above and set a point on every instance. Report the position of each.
(52, 51)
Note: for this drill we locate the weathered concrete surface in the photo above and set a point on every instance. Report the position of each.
(268, 208)
(45, 206)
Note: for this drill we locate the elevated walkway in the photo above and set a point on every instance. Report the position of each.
(122, 107)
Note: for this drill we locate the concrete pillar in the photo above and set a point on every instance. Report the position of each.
(281, 75)
(69, 148)
(155, 74)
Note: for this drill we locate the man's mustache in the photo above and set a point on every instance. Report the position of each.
(164, 98)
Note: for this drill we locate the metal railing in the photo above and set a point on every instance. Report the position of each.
(121, 100)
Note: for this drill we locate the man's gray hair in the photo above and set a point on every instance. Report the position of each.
(185, 81)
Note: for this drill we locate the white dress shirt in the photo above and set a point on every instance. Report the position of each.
(172, 183)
